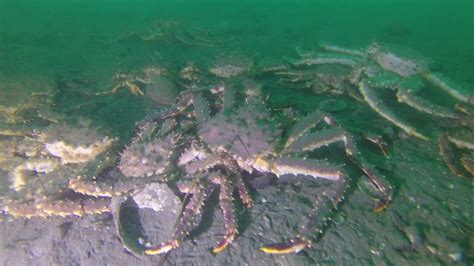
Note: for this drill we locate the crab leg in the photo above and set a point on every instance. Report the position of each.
(307, 123)
(293, 246)
(468, 162)
(374, 177)
(328, 136)
(322, 138)
(23, 209)
(424, 105)
(186, 223)
(377, 105)
(294, 166)
(317, 221)
(326, 59)
(229, 98)
(63, 208)
(176, 110)
(447, 85)
(225, 201)
(94, 189)
(339, 49)
(243, 193)
(446, 151)
(201, 108)
(460, 143)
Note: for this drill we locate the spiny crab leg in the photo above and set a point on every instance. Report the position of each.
(201, 108)
(468, 163)
(381, 144)
(297, 166)
(225, 202)
(446, 152)
(317, 221)
(342, 50)
(377, 105)
(423, 105)
(325, 137)
(306, 124)
(322, 138)
(243, 193)
(185, 224)
(449, 87)
(374, 177)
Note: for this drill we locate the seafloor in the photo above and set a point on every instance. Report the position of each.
(429, 221)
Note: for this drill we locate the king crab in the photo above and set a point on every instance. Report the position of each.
(42, 166)
(224, 148)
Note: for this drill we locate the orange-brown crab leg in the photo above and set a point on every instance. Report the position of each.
(317, 221)
(225, 201)
(243, 193)
(186, 223)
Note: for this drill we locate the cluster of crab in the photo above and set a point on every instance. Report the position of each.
(166, 31)
(218, 137)
(207, 141)
(364, 74)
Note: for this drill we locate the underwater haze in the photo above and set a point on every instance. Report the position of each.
(81, 82)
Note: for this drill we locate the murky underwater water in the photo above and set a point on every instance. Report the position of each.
(88, 62)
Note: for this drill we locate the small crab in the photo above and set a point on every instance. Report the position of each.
(133, 82)
(236, 141)
(230, 66)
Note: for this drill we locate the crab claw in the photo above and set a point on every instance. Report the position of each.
(163, 248)
(294, 246)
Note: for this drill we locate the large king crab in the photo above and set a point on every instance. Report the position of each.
(380, 67)
(223, 148)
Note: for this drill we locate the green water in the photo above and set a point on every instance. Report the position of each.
(44, 43)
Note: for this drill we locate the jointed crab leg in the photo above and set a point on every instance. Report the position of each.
(293, 166)
(450, 88)
(322, 138)
(377, 106)
(468, 163)
(201, 108)
(292, 246)
(186, 223)
(326, 59)
(326, 137)
(339, 49)
(63, 208)
(424, 106)
(461, 143)
(317, 221)
(446, 151)
(243, 193)
(225, 201)
(306, 124)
